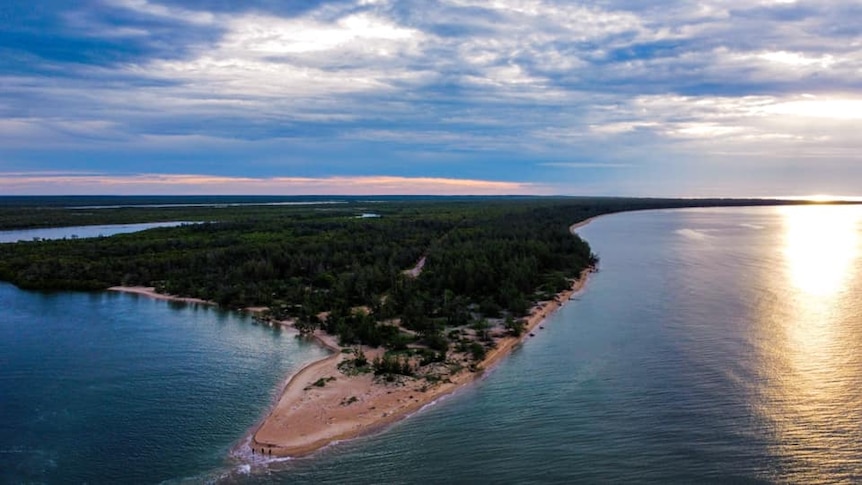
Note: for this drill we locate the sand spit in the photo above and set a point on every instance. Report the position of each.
(321, 404)
(151, 292)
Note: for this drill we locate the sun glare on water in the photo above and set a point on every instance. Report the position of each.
(812, 398)
(820, 245)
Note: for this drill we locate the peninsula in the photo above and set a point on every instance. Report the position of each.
(413, 303)
(361, 388)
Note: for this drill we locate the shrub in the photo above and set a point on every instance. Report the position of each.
(477, 350)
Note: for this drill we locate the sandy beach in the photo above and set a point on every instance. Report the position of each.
(151, 292)
(321, 405)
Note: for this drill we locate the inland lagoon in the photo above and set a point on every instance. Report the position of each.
(76, 232)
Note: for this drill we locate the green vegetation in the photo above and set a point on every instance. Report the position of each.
(513, 326)
(321, 382)
(487, 261)
(359, 364)
(391, 364)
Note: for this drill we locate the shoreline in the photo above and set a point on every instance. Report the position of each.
(306, 418)
(150, 292)
(319, 406)
(311, 414)
(574, 227)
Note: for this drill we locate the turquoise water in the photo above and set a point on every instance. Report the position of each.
(80, 231)
(714, 345)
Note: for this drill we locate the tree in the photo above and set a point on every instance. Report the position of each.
(514, 327)
(481, 326)
(306, 323)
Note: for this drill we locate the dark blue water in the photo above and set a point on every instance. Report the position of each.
(80, 231)
(115, 388)
(714, 346)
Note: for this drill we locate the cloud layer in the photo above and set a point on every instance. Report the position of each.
(58, 183)
(611, 97)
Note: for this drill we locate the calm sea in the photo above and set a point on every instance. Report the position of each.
(116, 388)
(715, 345)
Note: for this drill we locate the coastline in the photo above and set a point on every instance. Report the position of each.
(320, 406)
(573, 229)
(151, 292)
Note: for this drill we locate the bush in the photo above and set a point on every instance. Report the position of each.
(514, 327)
(477, 350)
(360, 360)
(430, 357)
(389, 365)
(437, 342)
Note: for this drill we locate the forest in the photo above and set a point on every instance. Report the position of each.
(320, 260)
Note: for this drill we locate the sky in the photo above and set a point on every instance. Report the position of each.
(612, 97)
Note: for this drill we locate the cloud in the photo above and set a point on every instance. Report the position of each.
(831, 109)
(586, 165)
(93, 183)
(680, 94)
(155, 9)
(296, 58)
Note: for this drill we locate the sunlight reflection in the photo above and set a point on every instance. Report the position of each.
(812, 336)
(820, 243)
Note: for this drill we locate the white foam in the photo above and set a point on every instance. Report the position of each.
(248, 458)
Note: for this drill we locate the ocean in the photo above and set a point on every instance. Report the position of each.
(714, 345)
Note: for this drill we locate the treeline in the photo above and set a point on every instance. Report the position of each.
(28, 212)
(40, 212)
(236, 264)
